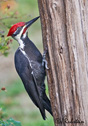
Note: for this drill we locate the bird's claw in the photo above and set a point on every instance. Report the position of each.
(45, 51)
(44, 62)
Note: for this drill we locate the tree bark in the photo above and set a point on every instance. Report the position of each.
(65, 34)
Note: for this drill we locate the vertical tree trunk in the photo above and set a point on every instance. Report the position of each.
(65, 33)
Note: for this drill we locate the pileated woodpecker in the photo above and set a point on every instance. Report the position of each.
(30, 66)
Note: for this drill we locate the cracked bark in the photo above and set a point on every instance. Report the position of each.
(65, 33)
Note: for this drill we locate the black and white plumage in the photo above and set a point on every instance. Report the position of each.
(30, 66)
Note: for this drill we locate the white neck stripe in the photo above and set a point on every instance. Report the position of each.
(21, 44)
(24, 53)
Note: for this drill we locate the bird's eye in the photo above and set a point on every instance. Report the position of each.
(17, 31)
(19, 28)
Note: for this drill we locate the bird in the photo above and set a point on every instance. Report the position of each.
(31, 66)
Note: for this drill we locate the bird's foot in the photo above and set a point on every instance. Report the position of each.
(44, 62)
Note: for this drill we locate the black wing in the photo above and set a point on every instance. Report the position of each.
(30, 78)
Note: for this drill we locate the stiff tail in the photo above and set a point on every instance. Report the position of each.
(47, 104)
(43, 114)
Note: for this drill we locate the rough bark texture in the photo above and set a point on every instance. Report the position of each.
(65, 33)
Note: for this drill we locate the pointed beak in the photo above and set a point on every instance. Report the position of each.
(29, 23)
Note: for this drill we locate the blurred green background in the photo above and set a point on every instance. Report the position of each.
(14, 101)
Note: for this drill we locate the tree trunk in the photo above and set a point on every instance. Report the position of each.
(65, 34)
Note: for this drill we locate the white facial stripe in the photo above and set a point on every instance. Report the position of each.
(24, 35)
(22, 30)
(17, 37)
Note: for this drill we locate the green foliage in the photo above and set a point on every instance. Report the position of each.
(14, 102)
(11, 17)
(4, 44)
(11, 90)
(10, 122)
(15, 88)
(4, 27)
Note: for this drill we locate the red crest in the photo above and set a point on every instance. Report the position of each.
(14, 28)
